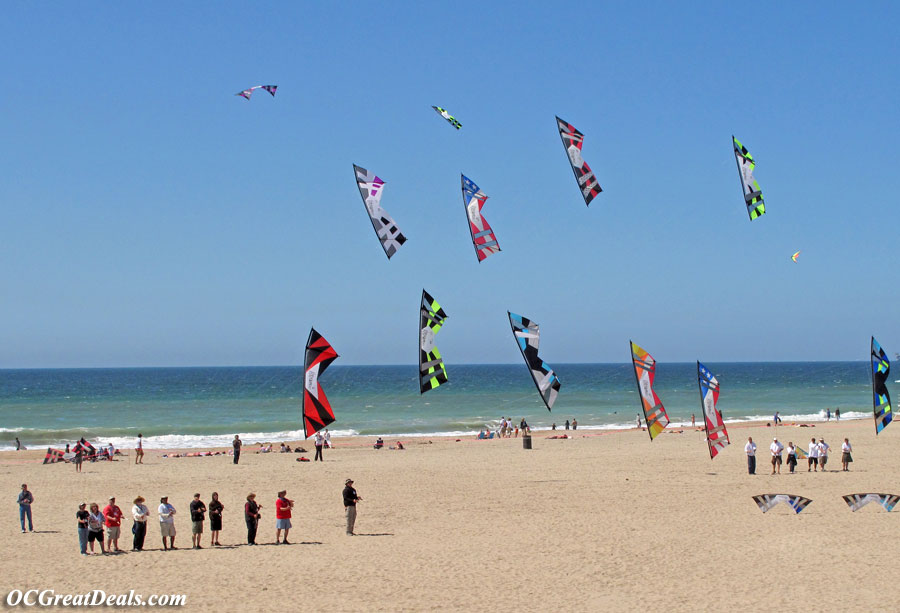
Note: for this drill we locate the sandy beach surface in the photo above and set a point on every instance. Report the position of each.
(600, 521)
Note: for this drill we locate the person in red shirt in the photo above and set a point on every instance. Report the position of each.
(113, 515)
(283, 508)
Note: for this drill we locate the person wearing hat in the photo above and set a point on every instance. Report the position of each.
(251, 516)
(350, 500)
(113, 515)
(167, 522)
(81, 516)
(776, 448)
(140, 512)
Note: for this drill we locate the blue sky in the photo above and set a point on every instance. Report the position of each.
(153, 218)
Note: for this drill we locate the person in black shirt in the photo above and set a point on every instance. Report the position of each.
(350, 500)
(215, 519)
(198, 514)
(236, 443)
(251, 516)
(82, 516)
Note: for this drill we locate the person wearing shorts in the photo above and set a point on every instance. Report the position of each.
(167, 522)
(95, 527)
(113, 515)
(823, 453)
(198, 516)
(776, 448)
(813, 458)
(283, 508)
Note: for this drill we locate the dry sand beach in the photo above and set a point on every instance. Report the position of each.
(604, 521)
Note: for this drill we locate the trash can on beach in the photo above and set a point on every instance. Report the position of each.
(526, 441)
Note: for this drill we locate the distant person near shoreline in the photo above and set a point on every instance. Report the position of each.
(236, 443)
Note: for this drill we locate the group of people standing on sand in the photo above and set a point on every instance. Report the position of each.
(817, 456)
(93, 524)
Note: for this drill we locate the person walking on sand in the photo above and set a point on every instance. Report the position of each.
(837, 414)
(319, 442)
(750, 449)
(813, 456)
(25, 499)
(140, 513)
(693, 421)
(113, 515)
(776, 448)
(139, 450)
(777, 419)
(637, 422)
(824, 448)
(567, 424)
(574, 424)
(167, 522)
(198, 516)
(95, 527)
(327, 439)
(283, 507)
(791, 456)
(79, 458)
(236, 443)
(350, 500)
(18, 444)
(846, 458)
(251, 517)
(81, 516)
(215, 519)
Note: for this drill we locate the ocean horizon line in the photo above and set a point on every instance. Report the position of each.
(412, 365)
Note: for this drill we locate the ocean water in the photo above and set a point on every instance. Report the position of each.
(204, 407)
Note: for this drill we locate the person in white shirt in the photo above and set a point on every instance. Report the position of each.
(319, 442)
(813, 459)
(167, 522)
(776, 448)
(140, 512)
(845, 454)
(750, 448)
(327, 438)
(823, 453)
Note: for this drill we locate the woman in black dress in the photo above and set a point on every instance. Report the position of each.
(215, 519)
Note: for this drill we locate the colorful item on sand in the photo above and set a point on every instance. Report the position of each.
(858, 501)
(432, 372)
(572, 141)
(249, 91)
(881, 368)
(655, 415)
(752, 193)
(371, 188)
(450, 118)
(716, 433)
(483, 238)
(316, 409)
(528, 338)
(767, 501)
(53, 456)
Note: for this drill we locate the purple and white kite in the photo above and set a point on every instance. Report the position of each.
(249, 92)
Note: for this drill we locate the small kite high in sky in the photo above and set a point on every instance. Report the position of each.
(450, 118)
(572, 140)
(858, 501)
(752, 193)
(767, 501)
(795, 256)
(249, 92)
